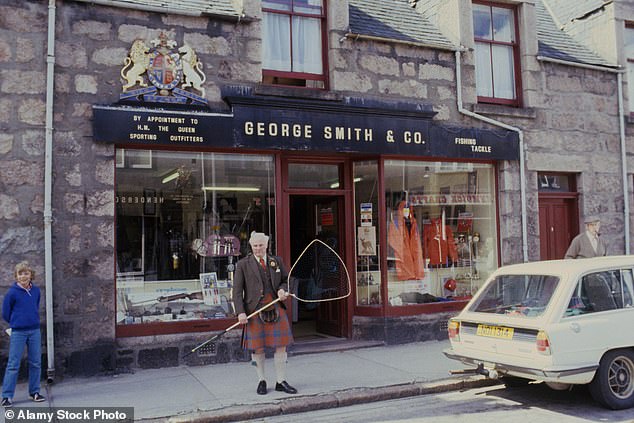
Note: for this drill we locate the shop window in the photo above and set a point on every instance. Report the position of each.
(139, 159)
(496, 53)
(441, 230)
(180, 228)
(120, 158)
(629, 57)
(293, 39)
(366, 203)
(308, 175)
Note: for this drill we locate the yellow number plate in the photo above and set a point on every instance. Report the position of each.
(495, 331)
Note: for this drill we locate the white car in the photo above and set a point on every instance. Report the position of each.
(563, 322)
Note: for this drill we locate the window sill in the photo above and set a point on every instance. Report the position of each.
(305, 93)
(506, 111)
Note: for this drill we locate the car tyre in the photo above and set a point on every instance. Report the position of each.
(613, 383)
(514, 381)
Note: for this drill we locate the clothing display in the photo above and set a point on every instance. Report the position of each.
(440, 246)
(404, 238)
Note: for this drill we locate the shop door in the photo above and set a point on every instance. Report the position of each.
(557, 226)
(315, 217)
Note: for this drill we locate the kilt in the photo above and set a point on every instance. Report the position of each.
(258, 335)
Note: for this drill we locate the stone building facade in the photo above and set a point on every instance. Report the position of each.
(568, 126)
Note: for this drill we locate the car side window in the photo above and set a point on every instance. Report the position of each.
(628, 287)
(601, 291)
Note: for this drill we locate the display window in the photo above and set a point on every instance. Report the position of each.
(182, 222)
(367, 232)
(441, 230)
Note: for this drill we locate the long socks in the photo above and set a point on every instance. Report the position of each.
(280, 364)
(258, 362)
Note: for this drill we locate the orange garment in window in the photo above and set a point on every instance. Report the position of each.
(439, 243)
(407, 246)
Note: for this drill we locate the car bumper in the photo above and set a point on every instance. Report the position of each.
(574, 375)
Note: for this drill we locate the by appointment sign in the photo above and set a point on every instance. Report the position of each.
(303, 126)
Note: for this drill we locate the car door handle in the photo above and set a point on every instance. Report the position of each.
(575, 327)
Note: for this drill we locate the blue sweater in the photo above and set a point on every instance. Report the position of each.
(21, 307)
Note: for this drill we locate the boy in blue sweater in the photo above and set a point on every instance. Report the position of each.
(21, 310)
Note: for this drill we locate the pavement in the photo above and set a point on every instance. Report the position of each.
(226, 392)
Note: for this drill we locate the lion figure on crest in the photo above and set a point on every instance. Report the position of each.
(137, 62)
(192, 69)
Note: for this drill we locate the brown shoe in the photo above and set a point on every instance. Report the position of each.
(262, 388)
(285, 387)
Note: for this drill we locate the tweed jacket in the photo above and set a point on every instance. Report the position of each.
(581, 247)
(248, 283)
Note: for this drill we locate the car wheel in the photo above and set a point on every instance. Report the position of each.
(613, 383)
(514, 381)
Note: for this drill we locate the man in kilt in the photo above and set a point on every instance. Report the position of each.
(258, 280)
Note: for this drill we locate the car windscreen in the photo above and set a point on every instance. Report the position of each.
(518, 295)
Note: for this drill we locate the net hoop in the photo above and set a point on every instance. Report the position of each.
(290, 274)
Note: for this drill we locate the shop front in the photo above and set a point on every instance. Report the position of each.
(407, 202)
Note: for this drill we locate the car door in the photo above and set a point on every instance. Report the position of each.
(596, 318)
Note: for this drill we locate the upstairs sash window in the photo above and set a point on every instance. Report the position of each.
(292, 47)
(496, 53)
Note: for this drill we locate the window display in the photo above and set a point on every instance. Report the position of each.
(441, 230)
(367, 224)
(181, 224)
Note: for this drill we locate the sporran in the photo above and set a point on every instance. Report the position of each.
(269, 315)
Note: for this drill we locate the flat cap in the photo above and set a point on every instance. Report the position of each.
(258, 237)
(591, 219)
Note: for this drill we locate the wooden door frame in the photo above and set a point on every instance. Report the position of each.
(345, 193)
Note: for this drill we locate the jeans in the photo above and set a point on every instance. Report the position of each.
(19, 339)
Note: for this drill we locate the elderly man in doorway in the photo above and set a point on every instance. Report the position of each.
(588, 244)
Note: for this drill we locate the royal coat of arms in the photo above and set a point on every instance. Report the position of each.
(175, 75)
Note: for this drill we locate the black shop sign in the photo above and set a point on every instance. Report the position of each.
(294, 125)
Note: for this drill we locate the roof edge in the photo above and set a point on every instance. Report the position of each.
(604, 68)
(165, 9)
(357, 36)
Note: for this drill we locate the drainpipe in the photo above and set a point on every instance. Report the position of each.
(521, 147)
(626, 195)
(48, 182)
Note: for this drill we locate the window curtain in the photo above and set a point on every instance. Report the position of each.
(484, 82)
(276, 48)
(503, 72)
(497, 81)
(307, 45)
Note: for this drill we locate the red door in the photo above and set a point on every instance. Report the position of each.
(558, 224)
